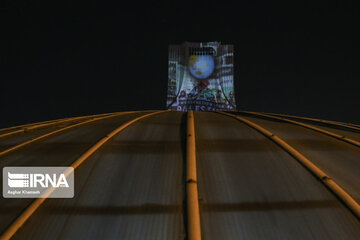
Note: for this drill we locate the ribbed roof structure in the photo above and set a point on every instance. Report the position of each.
(148, 175)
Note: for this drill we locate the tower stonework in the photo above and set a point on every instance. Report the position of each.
(201, 77)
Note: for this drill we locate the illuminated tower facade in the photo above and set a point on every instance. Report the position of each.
(201, 77)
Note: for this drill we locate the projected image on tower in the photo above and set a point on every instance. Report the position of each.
(200, 77)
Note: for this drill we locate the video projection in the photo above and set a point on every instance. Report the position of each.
(201, 77)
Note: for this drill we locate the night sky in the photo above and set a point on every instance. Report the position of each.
(299, 60)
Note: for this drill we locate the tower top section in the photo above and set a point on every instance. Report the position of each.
(201, 77)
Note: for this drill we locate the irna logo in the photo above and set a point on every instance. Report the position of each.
(21, 180)
(38, 182)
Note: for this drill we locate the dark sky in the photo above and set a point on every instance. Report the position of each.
(301, 60)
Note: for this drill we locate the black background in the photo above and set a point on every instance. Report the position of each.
(298, 59)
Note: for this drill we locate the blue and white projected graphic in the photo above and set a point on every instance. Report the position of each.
(202, 66)
(200, 77)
